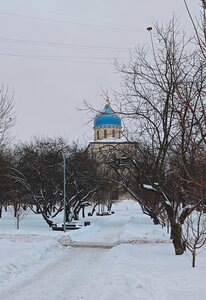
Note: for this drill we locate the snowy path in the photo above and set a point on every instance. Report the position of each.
(126, 258)
(126, 272)
(75, 272)
(84, 274)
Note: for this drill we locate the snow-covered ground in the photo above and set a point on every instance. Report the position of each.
(119, 257)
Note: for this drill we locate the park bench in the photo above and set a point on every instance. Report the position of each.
(69, 226)
(103, 213)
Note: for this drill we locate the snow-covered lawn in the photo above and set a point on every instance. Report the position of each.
(129, 258)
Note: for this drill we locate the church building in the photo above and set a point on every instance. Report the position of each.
(109, 144)
(108, 131)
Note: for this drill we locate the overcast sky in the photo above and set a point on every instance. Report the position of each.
(56, 53)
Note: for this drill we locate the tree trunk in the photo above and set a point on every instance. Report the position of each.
(193, 257)
(41, 211)
(176, 235)
(76, 216)
(48, 221)
(68, 214)
(156, 220)
(83, 211)
(17, 221)
(15, 209)
(94, 208)
(38, 210)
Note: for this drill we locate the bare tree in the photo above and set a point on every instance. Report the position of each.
(37, 174)
(149, 99)
(191, 111)
(195, 233)
(6, 116)
(6, 122)
(199, 25)
(132, 174)
(83, 181)
(153, 82)
(19, 211)
(5, 163)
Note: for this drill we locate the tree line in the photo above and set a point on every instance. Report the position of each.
(32, 176)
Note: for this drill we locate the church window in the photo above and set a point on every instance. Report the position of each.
(105, 134)
(113, 133)
(98, 134)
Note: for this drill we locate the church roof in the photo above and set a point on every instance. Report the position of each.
(107, 117)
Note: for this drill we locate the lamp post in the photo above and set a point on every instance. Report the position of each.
(65, 156)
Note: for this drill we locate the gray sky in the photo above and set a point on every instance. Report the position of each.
(56, 53)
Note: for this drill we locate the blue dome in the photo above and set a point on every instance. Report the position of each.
(107, 117)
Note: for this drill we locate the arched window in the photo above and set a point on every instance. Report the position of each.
(113, 133)
(98, 134)
(105, 133)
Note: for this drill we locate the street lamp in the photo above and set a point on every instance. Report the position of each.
(149, 28)
(66, 155)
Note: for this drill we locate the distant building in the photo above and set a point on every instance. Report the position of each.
(109, 144)
(108, 132)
